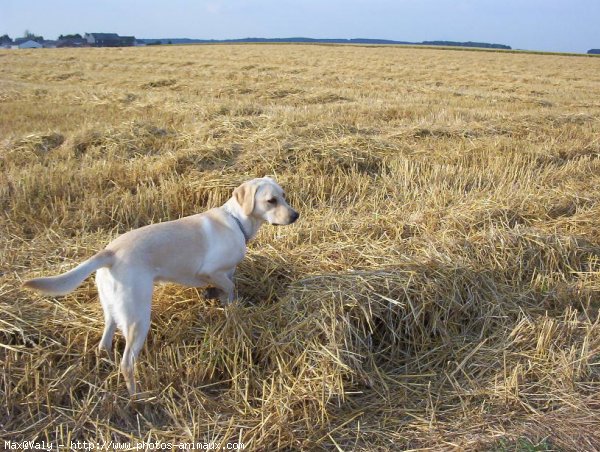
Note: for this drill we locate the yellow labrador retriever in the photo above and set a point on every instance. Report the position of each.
(199, 250)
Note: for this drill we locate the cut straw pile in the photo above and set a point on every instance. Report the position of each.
(440, 290)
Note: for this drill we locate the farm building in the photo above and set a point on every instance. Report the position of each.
(109, 40)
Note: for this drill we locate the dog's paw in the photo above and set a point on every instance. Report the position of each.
(212, 293)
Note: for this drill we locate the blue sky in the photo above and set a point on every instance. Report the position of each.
(552, 25)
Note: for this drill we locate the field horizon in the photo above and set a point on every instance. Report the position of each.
(439, 292)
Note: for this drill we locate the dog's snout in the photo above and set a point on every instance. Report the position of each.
(294, 216)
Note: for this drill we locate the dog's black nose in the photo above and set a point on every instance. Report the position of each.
(294, 217)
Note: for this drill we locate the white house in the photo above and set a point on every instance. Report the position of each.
(30, 45)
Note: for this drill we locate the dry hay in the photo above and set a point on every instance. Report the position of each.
(440, 291)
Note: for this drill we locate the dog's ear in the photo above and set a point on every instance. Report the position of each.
(244, 195)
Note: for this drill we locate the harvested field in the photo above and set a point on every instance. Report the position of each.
(440, 291)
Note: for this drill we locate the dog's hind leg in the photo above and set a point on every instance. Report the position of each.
(134, 300)
(106, 288)
(135, 337)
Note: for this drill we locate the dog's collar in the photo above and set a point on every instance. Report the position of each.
(238, 222)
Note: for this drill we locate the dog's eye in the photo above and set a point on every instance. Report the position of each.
(272, 201)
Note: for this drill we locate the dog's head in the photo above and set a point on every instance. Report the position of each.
(264, 199)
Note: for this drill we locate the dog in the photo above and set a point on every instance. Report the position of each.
(195, 251)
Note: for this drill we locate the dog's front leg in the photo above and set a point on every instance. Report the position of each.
(230, 273)
(223, 282)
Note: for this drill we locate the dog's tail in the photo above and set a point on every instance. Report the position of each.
(69, 281)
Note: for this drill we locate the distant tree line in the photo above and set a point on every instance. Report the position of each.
(484, 45)
(27, 36)
(75, 36)
(323, 41)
